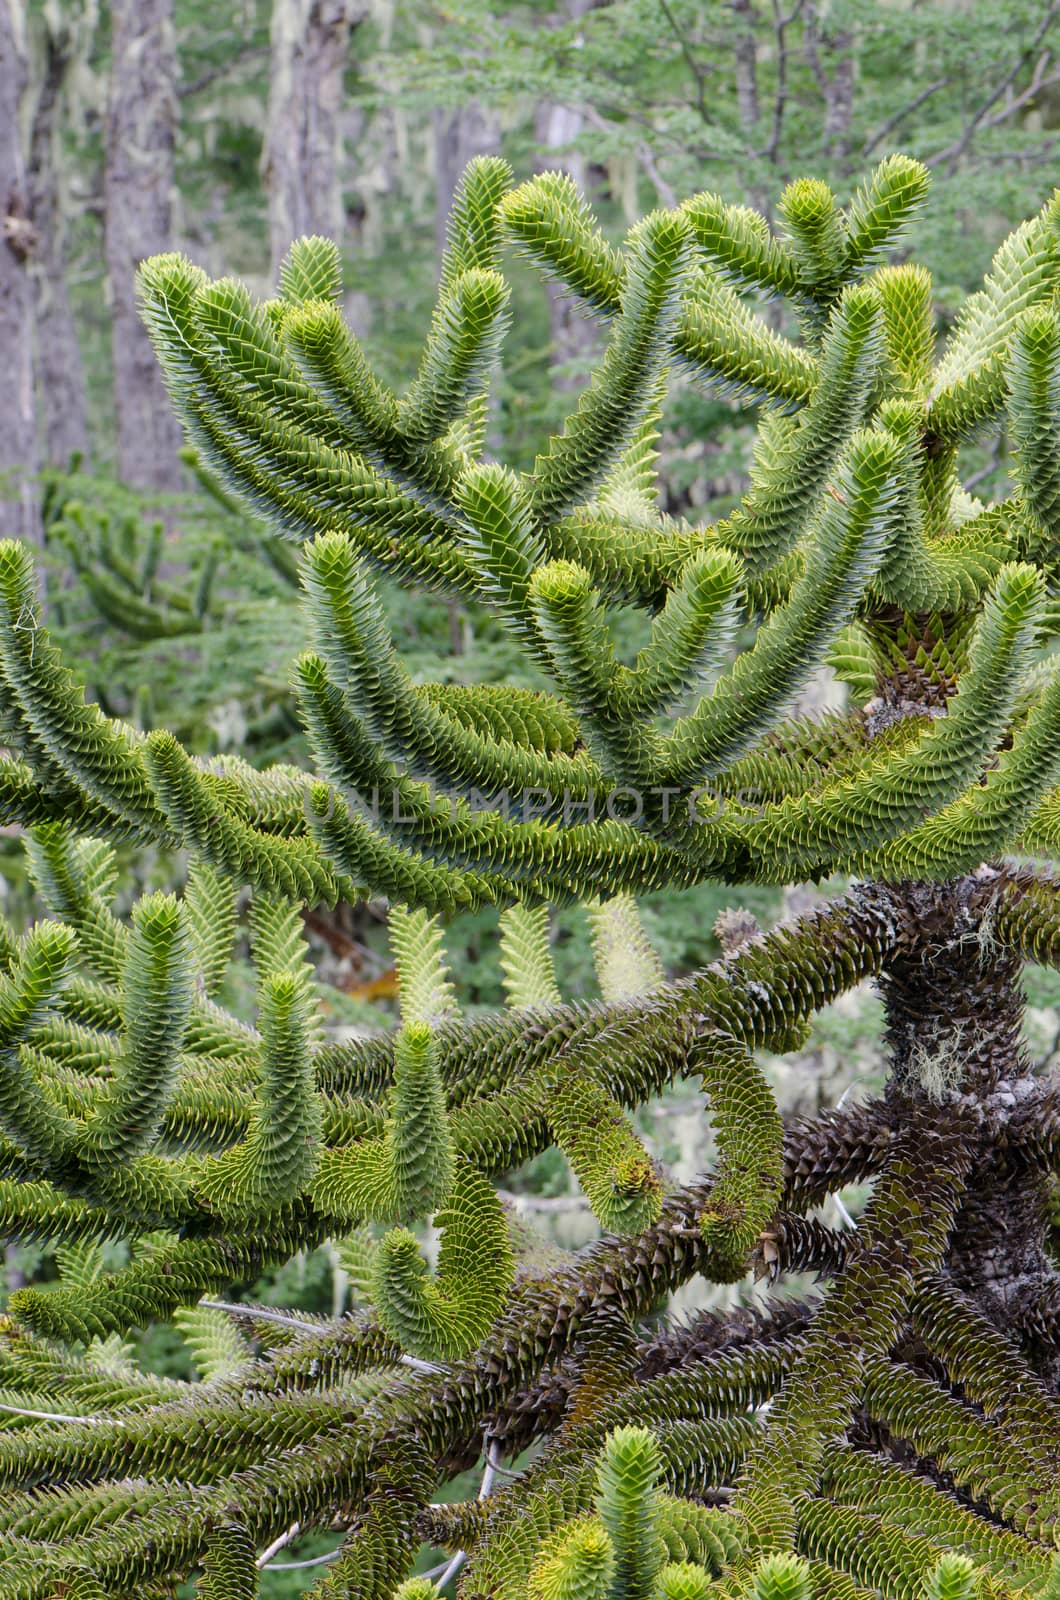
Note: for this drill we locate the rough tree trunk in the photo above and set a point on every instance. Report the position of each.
(954, 1010)
(60, 377)
(18, 423)
(954, 1013)
(138, 204)
(302, 158)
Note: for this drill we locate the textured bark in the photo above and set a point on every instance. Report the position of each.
(138, 201)
(60, 376)
(838, 1147)
(954, 1014)
(540, 1407)
(302, 159)
(1035, 1312)
(954, 1005)
(18, 423)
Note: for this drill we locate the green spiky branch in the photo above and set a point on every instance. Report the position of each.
(118, 568)
(217, 1126)
(225, 1435)
(896, 1433)
(854, 510)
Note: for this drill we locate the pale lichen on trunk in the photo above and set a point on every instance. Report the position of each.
(302, 156)
(557, 128)
(138, 200)
(60, 375)
(18, 427)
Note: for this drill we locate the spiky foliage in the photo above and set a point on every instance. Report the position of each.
(897, 1434)
(117, 561)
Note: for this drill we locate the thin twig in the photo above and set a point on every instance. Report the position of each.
(1043, 151)
(48, 1416)
(545, 1204)
(780, 99)
(419, 1366)
(993, 466)
(497, 1467)
(264, 1314)
(277, 1544)
(449, 1569)
(285, 1320)
(489, 1477)
(446, 1569)
(690, 61)
(1035, 87)
(644, 156)
(222, 70)
(858, 1078)
(662, 188)
(953, 153)
(310, 1561)
(903, 112)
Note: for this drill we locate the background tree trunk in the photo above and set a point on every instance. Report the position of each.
(746, 66)
(837, 91)
(138, 205)
(556, 127)
(302, 158)
(60, 376)
(574, 335)
(18, 422)
(471, 130)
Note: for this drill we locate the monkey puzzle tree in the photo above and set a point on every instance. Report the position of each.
(898, 1433)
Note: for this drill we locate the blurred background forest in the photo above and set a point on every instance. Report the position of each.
(226, 130)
